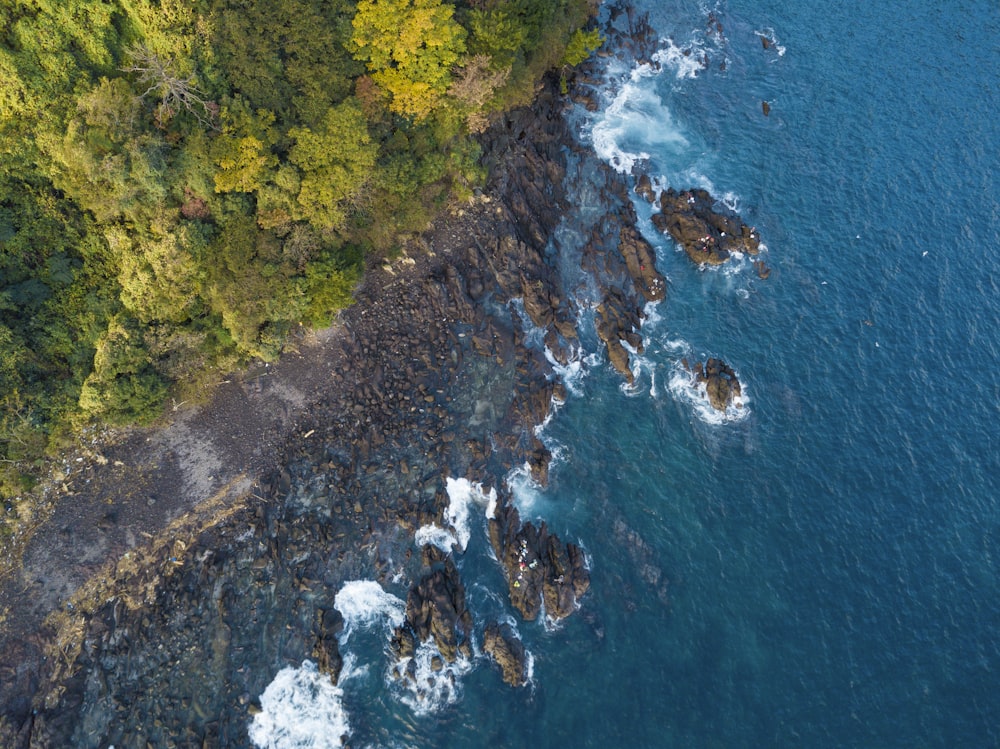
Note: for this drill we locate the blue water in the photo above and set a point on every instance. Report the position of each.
(822, 571)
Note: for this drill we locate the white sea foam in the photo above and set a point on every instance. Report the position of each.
(435, 536)
(731, 200)
(636, 119)
(571, 374)
(524, 490)
(364, 603)
(685, 62)
(529, 668)
(651, 315)
(300, 709)
(428, 690)
(462, 496)
(351, 670)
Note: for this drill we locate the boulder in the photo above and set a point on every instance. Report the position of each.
(619, 320)
(644, 188)
(538, 461)
(327, 625)
(640, 259)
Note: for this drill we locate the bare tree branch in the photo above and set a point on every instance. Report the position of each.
(163, 82)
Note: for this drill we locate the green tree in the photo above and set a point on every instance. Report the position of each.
(334, 161)
(124, 386)
(499, 33)
(581, 45)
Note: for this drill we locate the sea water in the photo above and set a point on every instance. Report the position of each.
(819, 566)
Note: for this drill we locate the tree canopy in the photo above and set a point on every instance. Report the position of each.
(410, 48)
(185, 182)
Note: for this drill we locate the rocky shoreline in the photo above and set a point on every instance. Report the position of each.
(197, 560)
(428, 377)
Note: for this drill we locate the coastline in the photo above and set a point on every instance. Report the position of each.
(333, 457)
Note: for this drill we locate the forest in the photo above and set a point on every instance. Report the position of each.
(186, 183)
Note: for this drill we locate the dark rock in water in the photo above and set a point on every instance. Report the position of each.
(538, 461)
(762, 270)
(644, 187)
(507, 651)
(540, 569)
(403, 644)
(640, 259)
(721, 385)
(325, 650)
(707, 233)
(617, 321)
(435, 609)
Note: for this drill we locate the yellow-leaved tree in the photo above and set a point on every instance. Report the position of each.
(410, 48)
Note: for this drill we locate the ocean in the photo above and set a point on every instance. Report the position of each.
(819, 567)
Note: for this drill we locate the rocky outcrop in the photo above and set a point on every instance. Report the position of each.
(540, 569)
(435, 610)
(326, 652)
(505, 648)
(618, 320)
(538, 461)
(622, 266)
(640, 260)
(709, 234)
(721, 384)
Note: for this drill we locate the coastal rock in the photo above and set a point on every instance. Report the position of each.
(533, 392)
(721, 384)
(623, 266)
(540, 569)
(763, 271)
(644, 188)
(640, 259)
(707, 233)
(538, 461)
(507, 651)
(435, 609)
(618, 320)
(328, 625)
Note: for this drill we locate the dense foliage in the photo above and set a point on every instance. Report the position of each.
(185, 182)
